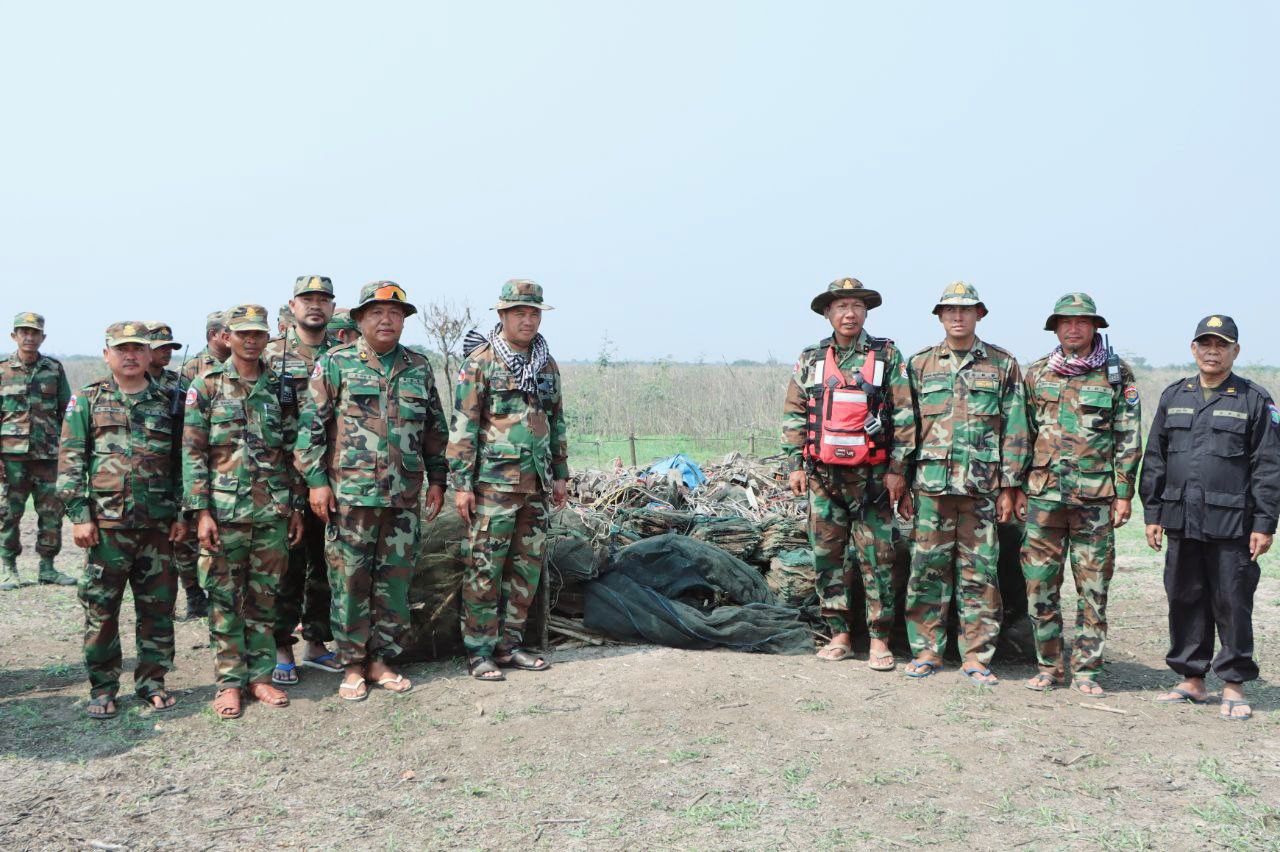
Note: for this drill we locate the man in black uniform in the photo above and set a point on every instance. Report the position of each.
(1211, 480)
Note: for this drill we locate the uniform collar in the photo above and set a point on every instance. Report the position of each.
(374, 360)
(978, 350)
(860, 343)
(1231, 387)
(229, 370)
(16, 360)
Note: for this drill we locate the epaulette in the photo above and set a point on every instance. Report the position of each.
(924, 351)
(53, 359)
(1000, 349)
(413, 354)
(1174, 385)
(480, 348)
(1257, 387)
(1038, 362)
(877, 343)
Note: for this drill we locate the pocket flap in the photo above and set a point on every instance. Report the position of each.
(1224, 499)
(226, 411)
(934, 454)
(352, 458)
(501, 451)
(109, 415)
(1171, 492)
(364, 389)
(1228, 420)
(1096, 398)
(933, 385)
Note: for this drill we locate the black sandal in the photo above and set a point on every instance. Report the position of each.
(167, 701)
(481, 668)
(519, 658)
(102, 701)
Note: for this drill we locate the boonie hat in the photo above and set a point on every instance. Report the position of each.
(520, 292)
(384, 291)
(845, 288)
(341, 321)
(961, 293)
(1074, 305)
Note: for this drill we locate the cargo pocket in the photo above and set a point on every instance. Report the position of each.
(1171, 508)
(499, 465)
(984, 398)
(1228, 435)
(1223, 514)
(108, 495)
(359, 473)
(932, 469)
(1095, 408)
(984, 470)
(935, 396)
(226, 422)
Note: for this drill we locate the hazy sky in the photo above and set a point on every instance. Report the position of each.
(684, 177)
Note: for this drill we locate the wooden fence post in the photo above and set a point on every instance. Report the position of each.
(751, 442)
(632, 439)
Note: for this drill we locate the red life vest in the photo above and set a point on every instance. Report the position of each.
(838, 411)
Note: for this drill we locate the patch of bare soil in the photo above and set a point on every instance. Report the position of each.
(637, 747)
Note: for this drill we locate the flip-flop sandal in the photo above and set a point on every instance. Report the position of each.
(167, 701)
(359, 691)
(922, 668)
(522, 659)
(1077, 686)
(844, 650)
(324, 662)
(1230, 705)
(479, 667)
(1042, 683)
(223, 707)
(285, 674)
(881, 667)
(395, 679)
(978, 673)
(1183, 697)
(102, 701)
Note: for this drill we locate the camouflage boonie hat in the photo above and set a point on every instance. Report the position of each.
(130, 331)
(342, 321)
(26, 319)
(383, 291)
(217, 319)
(521, 293)
(963, 294)
(312, 284)
(845, 288)
(161, 336)
(248, 318)
(1074, 305)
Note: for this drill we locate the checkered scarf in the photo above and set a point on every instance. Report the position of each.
(1072, 365)
(525, 367)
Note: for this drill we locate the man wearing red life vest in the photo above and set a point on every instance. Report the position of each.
(847, 399)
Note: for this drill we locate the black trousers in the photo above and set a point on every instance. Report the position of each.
(304, 589)
(1210, 585)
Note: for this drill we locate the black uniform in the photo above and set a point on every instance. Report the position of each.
(1210, 477)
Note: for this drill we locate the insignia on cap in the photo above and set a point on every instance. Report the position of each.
(251, 313)
(958, 289)
(848, 284)
(1214, 322)
(28, 317)
(129, 330)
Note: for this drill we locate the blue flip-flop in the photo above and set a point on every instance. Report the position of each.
(281, 670)
(929, 667)
(324, 662)
(976, 675)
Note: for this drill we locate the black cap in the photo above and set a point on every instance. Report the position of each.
(1219, 325)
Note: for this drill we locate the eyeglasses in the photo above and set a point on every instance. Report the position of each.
(391, 292)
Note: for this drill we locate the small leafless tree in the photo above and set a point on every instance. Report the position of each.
(447, 323)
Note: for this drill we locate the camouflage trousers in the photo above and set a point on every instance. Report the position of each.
(138, 558)
(503, 563)
(304, 590)
(241, 579)
(1085, 531)
(836, 502)
(370, 552)
(186, 558)
(954, 551)
(34, 479)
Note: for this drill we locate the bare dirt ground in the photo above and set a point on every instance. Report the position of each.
(639, 747)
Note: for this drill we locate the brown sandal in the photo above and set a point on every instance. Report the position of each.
(226, 704)
(268, 695)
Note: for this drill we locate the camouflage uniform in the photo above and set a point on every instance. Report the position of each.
(304, 590)
(370, 434)
(117, 468)
(187, 551)
(1086, 448)
(507, 446)
(32, 400)
(971, 441)
(237, 464)
(847, 502)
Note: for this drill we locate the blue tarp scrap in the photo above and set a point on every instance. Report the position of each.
(689, 470)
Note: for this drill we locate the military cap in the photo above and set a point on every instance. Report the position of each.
(845, 288)
(1075, 305)
(963, 294)
(129, 331)
(27, 319)
(383, 291)
(248, 318)
(341, 321)
(312, 284)
(521, 293)
(161, 336)
(217, 319)
(1218, 325)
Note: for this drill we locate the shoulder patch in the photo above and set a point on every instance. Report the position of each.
(1274, 413)
(1131, 395)
(316, 371)
(192, 396)
(71, 404)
